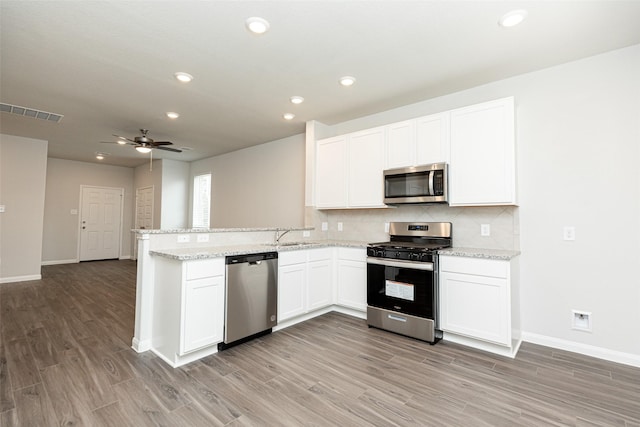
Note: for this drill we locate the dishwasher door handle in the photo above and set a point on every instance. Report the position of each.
(255, 262)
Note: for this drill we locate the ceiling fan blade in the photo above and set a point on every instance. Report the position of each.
(122, 137)
(175, 150)
(116, 142)
(162, 143)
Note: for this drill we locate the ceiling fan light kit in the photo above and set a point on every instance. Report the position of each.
(142, 149)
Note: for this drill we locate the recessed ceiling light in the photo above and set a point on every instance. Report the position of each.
(143, 150)
(296, 99)
(288, 116)
(183, 77)
(101, 156)
(121, 140)
(173, 115)
(347, 80)
(257, 25)
(513, 18)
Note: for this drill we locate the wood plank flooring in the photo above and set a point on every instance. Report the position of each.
(65, 359)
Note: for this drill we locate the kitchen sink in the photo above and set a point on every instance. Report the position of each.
(292, 244)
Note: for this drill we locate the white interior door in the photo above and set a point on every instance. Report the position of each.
(144, 208)
(100, 223)
(144, 213)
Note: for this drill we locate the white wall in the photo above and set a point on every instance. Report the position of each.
(578, 142)
(175, 194)
(61, 227)
(23, 167)
(261, 186)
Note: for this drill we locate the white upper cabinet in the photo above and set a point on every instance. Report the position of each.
(349, 170)
(366, 164)
(482, 165)
(401, 144)
(331, 172)
(432, 139)
(418, 142)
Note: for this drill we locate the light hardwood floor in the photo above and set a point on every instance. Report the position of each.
(65, 359)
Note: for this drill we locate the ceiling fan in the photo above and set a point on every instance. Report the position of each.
(143, 144)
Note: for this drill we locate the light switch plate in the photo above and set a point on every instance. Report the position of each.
(485, 230)
(203, 238)
(569, 233)
(325, 226)
(183, 238)
(339, 226)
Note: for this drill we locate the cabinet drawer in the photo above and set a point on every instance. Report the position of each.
(201, 268)
(292, 257)
(475, 266)
(320, 254)
(352, 254)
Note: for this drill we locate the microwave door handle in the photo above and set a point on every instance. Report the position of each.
(431, 175)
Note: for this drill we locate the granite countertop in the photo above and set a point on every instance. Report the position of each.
(498, 254)
(186, 254)
(218, 230)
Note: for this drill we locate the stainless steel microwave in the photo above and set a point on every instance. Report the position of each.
(416, 185)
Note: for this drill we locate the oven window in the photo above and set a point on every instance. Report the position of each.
(405, 290)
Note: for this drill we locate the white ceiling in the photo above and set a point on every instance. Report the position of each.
(108, 66)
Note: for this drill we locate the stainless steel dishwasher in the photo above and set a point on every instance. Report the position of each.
(251, 308)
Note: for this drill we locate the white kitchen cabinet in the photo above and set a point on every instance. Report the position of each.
(418, 142)
(366, 164)
(331, 172)
(188, 308)
(304, 282)
(349, 170)
(352, 278)
(432, 139)
(202, 313)
(291, 290)
(482, 168)
(401, 144)
(477, 300)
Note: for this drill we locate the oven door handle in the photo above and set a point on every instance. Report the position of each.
(426, 266)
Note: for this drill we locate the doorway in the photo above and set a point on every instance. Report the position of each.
(144, 213)
(100, 222)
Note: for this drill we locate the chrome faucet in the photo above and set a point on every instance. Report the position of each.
(278, 237)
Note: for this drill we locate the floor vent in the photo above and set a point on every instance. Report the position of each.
(30, 112)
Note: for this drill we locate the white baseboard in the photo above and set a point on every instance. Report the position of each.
(585, 349)
(20, 278)
(60, 261)
(125, 257)
(140, 346)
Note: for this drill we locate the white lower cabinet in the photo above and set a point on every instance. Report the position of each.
(477, 302)
(304, 282)
(188, 308)
(202, 313)
(352, 278)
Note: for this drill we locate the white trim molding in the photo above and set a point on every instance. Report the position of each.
(21, 278)
(585, 349)
(60, 261)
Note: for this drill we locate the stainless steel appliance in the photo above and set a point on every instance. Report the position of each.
(402, 279)
(416, 184)
(251, 306)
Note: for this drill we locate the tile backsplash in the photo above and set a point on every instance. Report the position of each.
(368, 224)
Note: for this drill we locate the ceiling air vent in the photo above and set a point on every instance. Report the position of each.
(30, 112)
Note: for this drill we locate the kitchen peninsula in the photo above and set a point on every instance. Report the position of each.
(181, 286)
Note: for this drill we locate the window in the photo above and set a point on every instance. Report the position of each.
(201, 200)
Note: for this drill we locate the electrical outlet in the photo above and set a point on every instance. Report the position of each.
(339, 226)
(325, 226)
(1, 208)
(183, 238)
(306, 233)
(569, 233)
(485, 229)
(203, 238)
(581, 320)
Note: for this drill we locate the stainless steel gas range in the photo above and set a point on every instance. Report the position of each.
(402, 279)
